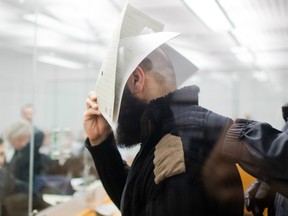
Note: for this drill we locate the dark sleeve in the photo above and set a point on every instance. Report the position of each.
(260, 149)
(7, 183)
(111, 169)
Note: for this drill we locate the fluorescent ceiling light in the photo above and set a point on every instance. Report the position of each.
(245, 57)
(239, 49)
(261, 76)
(210, 13)
(90, 14)
(243, 54)
(60, 62)
(259, 39)
(47, 38)
(56, 25)
(274, 60)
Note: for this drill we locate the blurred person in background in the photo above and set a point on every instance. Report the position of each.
(7, 184)
(17, 138)
(2, 154)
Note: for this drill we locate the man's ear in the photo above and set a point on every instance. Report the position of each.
(137, 80)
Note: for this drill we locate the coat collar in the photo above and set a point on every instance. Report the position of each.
(160, 111)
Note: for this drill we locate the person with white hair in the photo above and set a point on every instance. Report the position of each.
(16, 137)
(18, 141)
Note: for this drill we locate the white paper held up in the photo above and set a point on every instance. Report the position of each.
(136, 36)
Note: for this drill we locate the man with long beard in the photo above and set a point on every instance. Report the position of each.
(168, 175)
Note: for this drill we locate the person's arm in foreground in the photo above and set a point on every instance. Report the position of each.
(101, 144)
(261, 150)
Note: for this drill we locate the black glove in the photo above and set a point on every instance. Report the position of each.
(258, 196)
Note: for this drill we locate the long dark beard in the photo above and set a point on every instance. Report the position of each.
(129, 121)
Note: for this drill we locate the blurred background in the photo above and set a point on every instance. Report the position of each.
(51, 52)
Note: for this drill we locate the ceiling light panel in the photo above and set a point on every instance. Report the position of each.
(263, 40)
(53, 24)
(260, 76)
(8, 14)
(57, 61)
(89, 15)
(257, 14)
(277, 60)
(210, 13)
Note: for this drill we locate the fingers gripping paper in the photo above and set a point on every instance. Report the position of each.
(135, 37)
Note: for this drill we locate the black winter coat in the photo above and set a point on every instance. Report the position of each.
(168, 176)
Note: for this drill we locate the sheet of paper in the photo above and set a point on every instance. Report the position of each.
(106, 79)
(132, 22)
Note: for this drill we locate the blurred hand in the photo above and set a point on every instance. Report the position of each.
(258, 196)
(95, 125)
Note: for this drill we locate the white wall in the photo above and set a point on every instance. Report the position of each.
(57, 94)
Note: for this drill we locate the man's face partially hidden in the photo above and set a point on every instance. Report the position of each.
(129, 121)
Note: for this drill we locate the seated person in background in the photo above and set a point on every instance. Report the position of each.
(12, 201)
(262, 151)
(176, 136)
(6, 180)
(46, 171)
(7, 185)
(17, 135)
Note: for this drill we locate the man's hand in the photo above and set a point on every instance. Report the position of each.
(258, 196)
(95, 125)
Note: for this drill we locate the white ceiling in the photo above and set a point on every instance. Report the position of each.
(80, 30)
